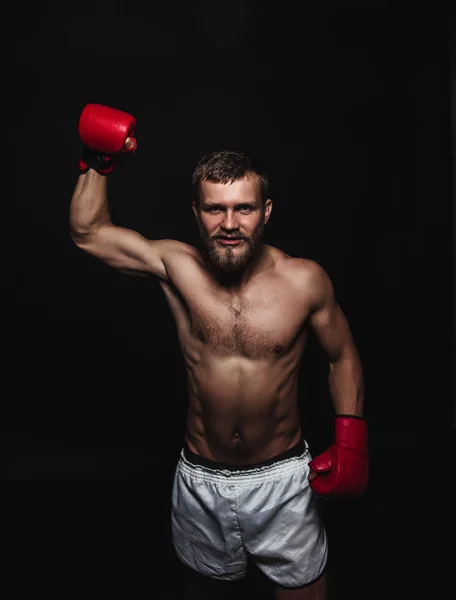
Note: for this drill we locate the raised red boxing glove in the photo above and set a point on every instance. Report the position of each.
(342, 470)
(103, 131)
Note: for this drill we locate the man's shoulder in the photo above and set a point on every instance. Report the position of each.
(298, 268)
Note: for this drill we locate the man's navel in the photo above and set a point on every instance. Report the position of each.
(236, 438)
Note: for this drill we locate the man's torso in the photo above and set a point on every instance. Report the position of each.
(242, 352)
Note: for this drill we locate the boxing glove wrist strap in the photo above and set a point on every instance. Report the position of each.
(349, 416)
(91, 159)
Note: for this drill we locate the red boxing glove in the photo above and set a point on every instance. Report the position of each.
(342, 470)
(103, 131)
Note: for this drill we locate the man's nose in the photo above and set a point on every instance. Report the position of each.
(230, 220)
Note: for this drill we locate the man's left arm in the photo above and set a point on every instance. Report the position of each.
(327, 320)
(342, 470)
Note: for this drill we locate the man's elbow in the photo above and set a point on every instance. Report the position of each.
(83, 229)
(80, 235)
(85, 238)
(83, 233)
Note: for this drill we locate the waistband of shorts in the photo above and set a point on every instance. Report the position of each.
(195, 459)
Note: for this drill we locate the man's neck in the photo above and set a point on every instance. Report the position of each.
(237, 281)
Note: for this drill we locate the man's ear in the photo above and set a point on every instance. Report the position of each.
(267, 210)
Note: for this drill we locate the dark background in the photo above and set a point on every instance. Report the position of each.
(350, 107)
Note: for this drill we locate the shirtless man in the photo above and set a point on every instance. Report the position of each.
(245, 485)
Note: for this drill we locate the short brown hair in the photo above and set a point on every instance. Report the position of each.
(226, 166)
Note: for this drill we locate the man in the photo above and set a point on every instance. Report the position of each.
(245, 486)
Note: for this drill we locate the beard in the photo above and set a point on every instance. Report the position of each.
(229, 259)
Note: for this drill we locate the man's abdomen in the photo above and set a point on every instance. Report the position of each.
(241, 411)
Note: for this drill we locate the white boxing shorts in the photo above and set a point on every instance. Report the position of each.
(223, 517)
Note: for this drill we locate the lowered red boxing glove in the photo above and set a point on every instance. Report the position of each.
(342, 470)
(103, 131)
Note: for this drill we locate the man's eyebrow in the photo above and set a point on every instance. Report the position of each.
(220, 205)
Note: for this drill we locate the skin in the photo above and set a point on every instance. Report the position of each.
(242, 314)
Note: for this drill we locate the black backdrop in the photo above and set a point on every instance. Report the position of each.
(349, 106)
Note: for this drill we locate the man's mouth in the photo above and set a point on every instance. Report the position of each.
(227, 241)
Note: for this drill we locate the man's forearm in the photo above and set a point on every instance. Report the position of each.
(346, 385)
(89, 204)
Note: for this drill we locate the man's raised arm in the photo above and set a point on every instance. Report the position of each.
(106, 132)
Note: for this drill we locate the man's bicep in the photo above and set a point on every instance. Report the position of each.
(128, 251)
(328, 321)
(331, 330)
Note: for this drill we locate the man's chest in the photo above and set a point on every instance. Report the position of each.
(263, 322)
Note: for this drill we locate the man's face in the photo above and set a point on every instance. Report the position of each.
(231, 219)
